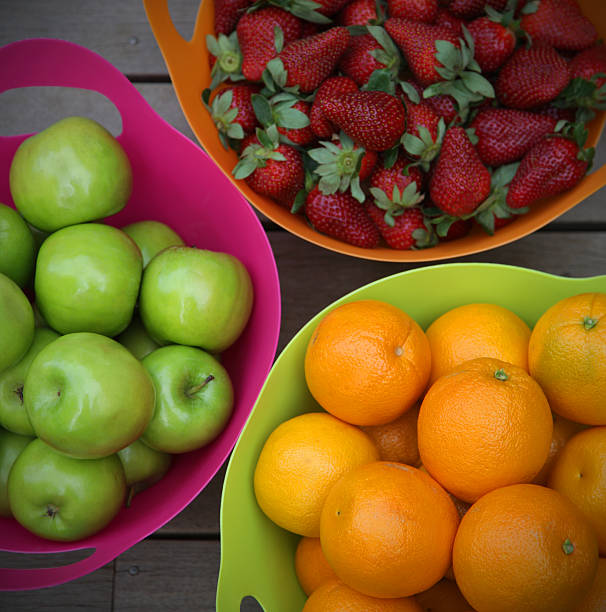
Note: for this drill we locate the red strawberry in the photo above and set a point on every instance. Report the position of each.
(341, 216)
(460, 182)
(227, 13)
(310, 60)
(271, 169)
(447, 20)
(561, 24)
(459, 229)
(387, 178)
(417, 10)
(445, 107)
(300, 136)
(256, 36)
(408, 231)
(358, 12)
(420, 114)
(532, 77)
(374, 119)
(588, 63)
(418, 44)
(493, 42)
(342, 165)
(505, 135)
(559, 114)
(553, 165)
(331, 88)
(330, 7)
(232, 111)
(468, 9)
(360, 59)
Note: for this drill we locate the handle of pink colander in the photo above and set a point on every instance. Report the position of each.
(44, 62)
(39, 578)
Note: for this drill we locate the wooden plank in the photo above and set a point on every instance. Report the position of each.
(92, 592)
(118, 30)
(311, 278)
(170, 575)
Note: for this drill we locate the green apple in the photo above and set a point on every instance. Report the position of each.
(194, 399)
(17, 249)
(87, 396)
(152, 237)
(195, 297)
(13, 415)
(62, 498)
(11, 445)
(143, 466)
(72, 172)
(16, 323)
(136, 339)
(87, 279)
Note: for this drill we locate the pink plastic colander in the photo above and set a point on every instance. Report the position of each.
(177, 183)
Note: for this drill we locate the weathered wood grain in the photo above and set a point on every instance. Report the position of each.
(117, 30)
(169, 575)
(93, 592)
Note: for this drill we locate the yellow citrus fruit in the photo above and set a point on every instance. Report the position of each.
(567, 357)
(595, 599)
(334, 596)
(367, 362)
(397, 441)
(580, 475)
(477, 330)
(485, 425)
(563, 430)
(300, 461)
(524, 548)
(311, 566)
(387, 530)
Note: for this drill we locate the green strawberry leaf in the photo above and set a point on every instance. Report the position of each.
(245, 167)
(277, 71)
(278, 39)
(235, 131)
(486, 220)
(503, 175)
(410, 91)
(356, 190)
(299, 201)
(380, 80)
(390, 157)
(293, 119)
(413, 144)
(531, 7)
(383, 38)
(478, 84)
(262, 109)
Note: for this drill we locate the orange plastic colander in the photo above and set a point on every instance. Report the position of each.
(188, 65)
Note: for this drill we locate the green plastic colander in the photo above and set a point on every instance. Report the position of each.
(257, 556)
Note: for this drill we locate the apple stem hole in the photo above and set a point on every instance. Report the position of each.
(51, 511)
(193, 390)
(19, 393)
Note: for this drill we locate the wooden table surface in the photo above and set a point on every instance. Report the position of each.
(177, 567)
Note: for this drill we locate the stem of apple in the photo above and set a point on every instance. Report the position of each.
(19, 393)
(51, 510)
(193, 390)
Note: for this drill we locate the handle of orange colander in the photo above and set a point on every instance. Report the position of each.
(39, 578)
(182, 57)
(44, 62)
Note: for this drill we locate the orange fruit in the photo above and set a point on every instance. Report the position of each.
(311, 566)
(485, 425)
(300, 461)
(580, 475)
(595, 600)
(563, 430)
(387, 529)
(477, 330)
(567, 357)
(397, 441)
(367, 362)
(443, 596)
(335, 596)
(524, 548)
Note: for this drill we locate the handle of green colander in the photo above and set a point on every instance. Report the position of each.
(44, 62)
